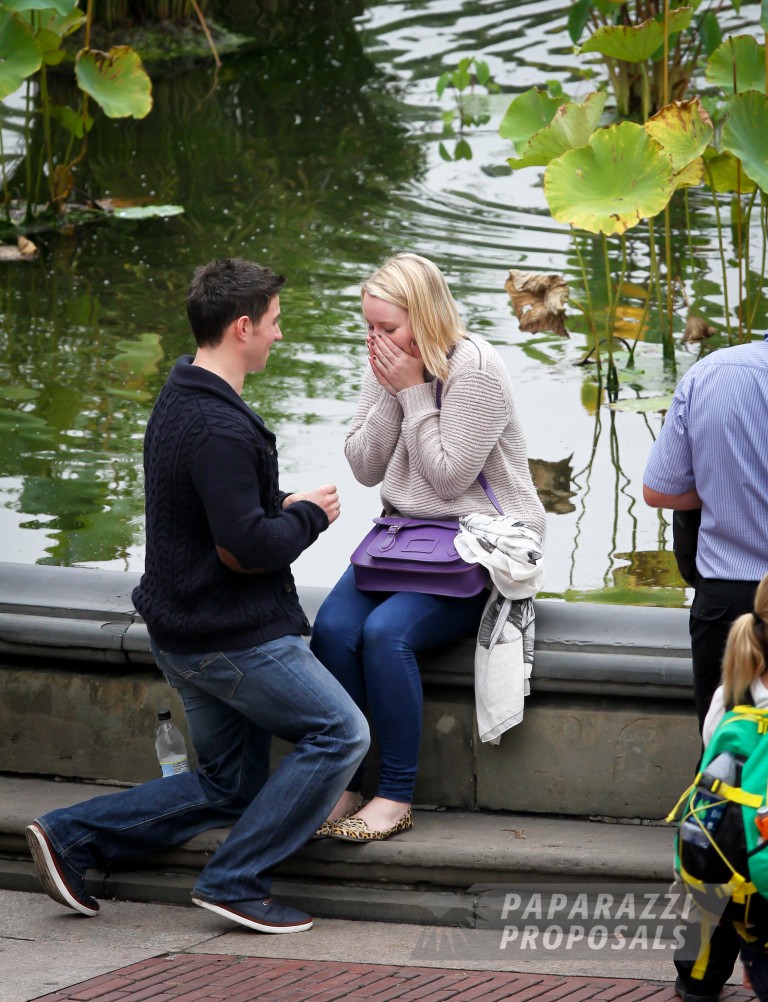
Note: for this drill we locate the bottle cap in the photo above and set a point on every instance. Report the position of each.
(163, 714)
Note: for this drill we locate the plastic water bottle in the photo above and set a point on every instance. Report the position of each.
(170, 745)
(724, 767)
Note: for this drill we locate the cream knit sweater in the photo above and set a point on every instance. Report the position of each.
(427, 460)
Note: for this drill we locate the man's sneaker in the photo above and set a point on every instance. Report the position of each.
(59, 881)
(263, 916)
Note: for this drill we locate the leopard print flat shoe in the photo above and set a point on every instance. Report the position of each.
(356, 830)
(324, 831)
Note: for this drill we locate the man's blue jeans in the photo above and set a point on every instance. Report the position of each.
(234, 702)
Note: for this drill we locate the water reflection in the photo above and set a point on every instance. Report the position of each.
(320, 156)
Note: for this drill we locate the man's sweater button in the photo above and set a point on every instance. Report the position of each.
(287, 588)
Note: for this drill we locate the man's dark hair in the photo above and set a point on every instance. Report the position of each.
(225, 289)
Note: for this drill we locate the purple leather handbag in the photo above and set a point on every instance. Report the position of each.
(418, 554)
(414, 554)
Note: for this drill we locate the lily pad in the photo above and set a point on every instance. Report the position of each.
(148, 211)
(116, 80)
(643, 405)
(20, 54)
(637, 42)
(745, 134)
(621, 177)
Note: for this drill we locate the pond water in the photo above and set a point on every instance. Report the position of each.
(321, 157)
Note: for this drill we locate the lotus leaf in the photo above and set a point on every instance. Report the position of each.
(62, 7)
(539, 301)
(571, 127)
(722, 173)
(621, 177)
(148, 211)
(745, 134)
(743, 52)
(683, 129)
(643, 405)
(528, 113)
(636, 43)
(19, 54)
(116, 80)
(691, 175)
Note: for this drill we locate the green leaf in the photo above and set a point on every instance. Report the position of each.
(62, 7)
(529, 112)
(444, 152)
(764, 15)
(442, 82)
(709, 32)
(70, 119)
(20, 54)
(578, 18)
(742, 53)
(621, 177)
(116, 80)
(683, 129)
(463, 150)
(571, 127)
(643, 405)
(636, 43)
(148, 211)
(482, 73)
(745, 134)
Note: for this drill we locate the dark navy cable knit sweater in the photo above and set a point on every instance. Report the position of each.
(211, 479)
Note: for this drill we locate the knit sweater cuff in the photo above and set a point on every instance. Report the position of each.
(416, 400)
(388, 407)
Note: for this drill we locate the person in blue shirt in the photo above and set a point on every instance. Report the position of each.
(712, 455)
(226, 628)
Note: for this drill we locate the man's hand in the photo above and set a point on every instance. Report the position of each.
(326, 497)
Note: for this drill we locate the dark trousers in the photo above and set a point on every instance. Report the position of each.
(715, 606)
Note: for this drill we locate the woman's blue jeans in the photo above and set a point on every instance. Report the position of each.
(234, 702)
(369, 641)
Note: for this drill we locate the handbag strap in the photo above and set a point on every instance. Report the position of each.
(481, 477)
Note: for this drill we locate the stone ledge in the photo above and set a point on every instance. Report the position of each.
(87, 615)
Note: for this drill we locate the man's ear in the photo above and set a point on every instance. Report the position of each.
(241, 327)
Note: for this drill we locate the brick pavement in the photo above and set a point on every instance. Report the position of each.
(211, 978)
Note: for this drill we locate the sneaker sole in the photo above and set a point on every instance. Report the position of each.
(251, 923)
(53, 883)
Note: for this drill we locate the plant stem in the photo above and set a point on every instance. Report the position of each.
(590, 313)
(722, 252)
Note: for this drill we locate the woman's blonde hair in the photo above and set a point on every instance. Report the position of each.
(745, 651)
(417, 285)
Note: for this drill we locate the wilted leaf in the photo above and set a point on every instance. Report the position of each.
(696, 329)
(26, 247)
(116, 80)
(13, 252)
(683, 129)
(539, 301)
(553, 482)
(621, 177)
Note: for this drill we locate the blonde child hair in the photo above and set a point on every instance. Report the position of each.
(745, 652)
(417, 285)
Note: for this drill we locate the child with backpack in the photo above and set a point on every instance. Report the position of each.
(722, 843)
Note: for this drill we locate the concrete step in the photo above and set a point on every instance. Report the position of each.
(452, 868)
